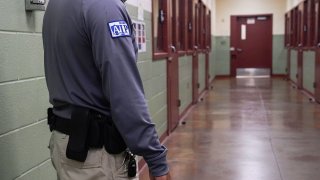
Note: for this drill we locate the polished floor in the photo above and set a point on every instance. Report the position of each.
(248, 129)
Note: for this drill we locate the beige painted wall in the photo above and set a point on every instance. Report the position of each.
(213, 17)
(292, 3)
(226, 8)
(146, 4)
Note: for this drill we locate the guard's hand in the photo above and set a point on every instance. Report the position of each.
(165, 177)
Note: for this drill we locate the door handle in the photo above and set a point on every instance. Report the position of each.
(318, 44)
(170, 59)
(195, 47)
(173, 48)
(239, 50)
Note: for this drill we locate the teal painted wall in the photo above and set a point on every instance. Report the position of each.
(212, 59)
(293, 65)
(309, 58)
(185, 82)
(24, 135)
(279, 55)
(202, 72)
(222, 55)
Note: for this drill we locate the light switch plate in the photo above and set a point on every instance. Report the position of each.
(35, 5)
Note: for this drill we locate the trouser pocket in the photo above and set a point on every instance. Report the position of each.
(93, 160)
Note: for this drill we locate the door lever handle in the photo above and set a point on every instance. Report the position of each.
(173, 48)
(318, 44)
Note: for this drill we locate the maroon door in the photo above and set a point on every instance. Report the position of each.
(173, 68)
(251, 42)
(195, 62)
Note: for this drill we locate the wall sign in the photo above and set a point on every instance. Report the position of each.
(140, 29)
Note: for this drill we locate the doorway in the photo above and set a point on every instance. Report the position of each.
(251, 43)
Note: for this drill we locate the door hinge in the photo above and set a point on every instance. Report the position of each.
(179, 103)
(286, 70)
(297, 76)
(315, 85)
(198, 85)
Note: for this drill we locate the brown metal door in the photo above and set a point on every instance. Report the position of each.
(195, 62)
(251, 42)
(173, 67)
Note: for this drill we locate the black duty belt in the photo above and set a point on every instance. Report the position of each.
(59, 124)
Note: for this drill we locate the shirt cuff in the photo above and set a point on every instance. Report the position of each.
(158, 166)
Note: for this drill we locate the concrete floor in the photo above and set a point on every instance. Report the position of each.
(248, 129)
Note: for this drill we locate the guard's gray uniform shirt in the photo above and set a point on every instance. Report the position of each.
(87, 65)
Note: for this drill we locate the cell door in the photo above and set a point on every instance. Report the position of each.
(317, 45)
(251, 43)
(173, 66)
(195, 58)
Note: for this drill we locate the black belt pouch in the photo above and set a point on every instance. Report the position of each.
(114, 143)
(77, 148)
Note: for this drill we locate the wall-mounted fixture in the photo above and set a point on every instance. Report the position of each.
(35, 5)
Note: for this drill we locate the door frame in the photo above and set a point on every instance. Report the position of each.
(317, 76)
(173, 69)
(196, 51)
(234, 41)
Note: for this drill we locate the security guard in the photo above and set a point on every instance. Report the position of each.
(99, 108)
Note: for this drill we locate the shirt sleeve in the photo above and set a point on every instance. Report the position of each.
(115, 58)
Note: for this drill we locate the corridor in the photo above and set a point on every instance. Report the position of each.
(248, 129)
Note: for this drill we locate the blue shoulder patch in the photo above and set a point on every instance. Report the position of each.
(119, 29)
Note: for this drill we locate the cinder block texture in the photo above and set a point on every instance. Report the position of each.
(23, 149)
(13, 17)
(44, 171)
(22, 103)
(21, 56)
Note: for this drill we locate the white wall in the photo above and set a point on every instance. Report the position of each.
(226, 8)
(213, 17)
(146, 4)
(292, 3)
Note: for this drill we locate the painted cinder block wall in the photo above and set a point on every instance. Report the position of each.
(24, 134)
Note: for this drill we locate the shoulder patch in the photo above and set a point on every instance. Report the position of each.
(119, 29)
